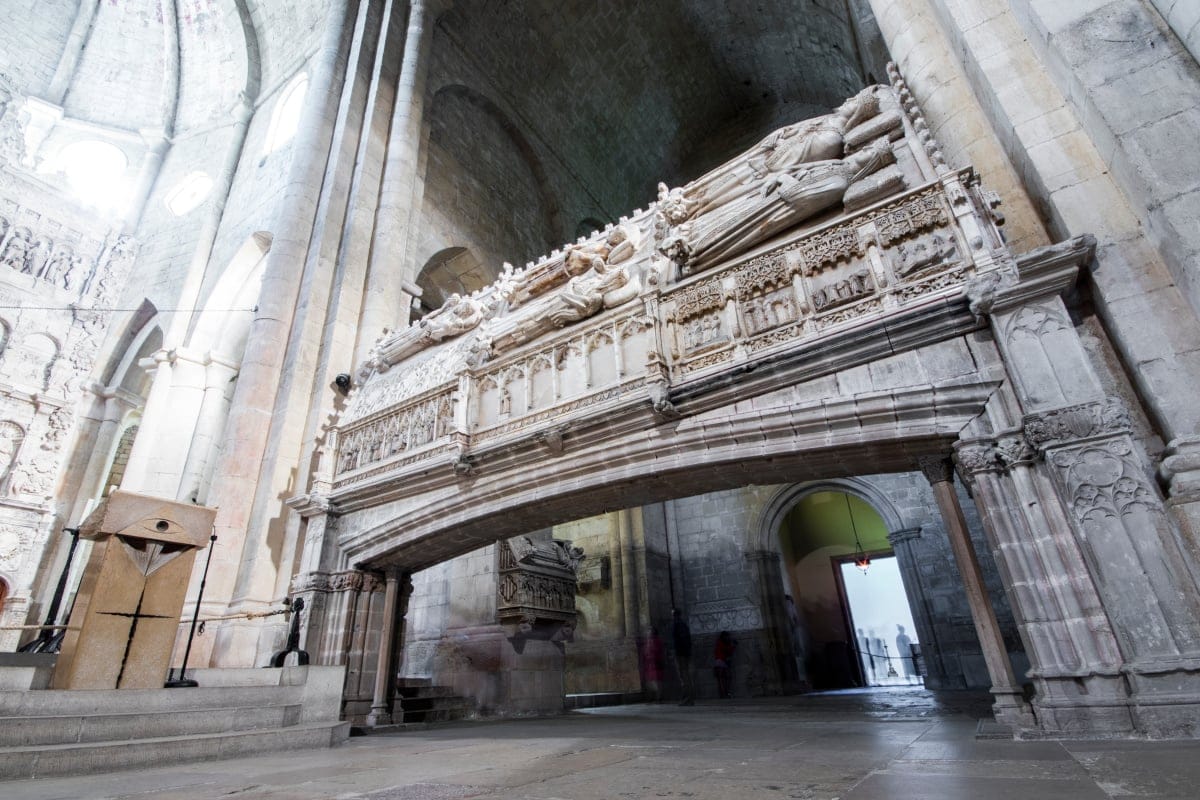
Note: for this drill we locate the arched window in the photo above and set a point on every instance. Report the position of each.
(285, 119)
(188, 193)
(93, 169)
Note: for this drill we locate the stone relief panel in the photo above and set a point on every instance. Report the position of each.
(395, 433)
(826, 223)
(1123, 528)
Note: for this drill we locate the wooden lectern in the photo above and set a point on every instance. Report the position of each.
(126, 614)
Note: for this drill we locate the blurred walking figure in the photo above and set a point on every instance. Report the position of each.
(652, 665)
(723, 664)
(681, 637)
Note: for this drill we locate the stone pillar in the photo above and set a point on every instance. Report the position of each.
(214, 407)
(1076, 661)
(616, 562)
(1093, 479)
(397, 590)
(385, 304)
(172, 408)
(157, 145)
(381, 701)
(244, 572)
(68, 62)
(1009, 707)
(902, 545)
(628, 537)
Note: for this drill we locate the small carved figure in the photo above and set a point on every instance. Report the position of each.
(57, 266)
(916, 256)
(17, 252)
(457, 315)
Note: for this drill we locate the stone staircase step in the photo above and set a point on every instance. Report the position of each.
(55, 702)
(29, 731)
(86, 758)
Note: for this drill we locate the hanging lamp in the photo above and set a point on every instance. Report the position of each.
(861, 559)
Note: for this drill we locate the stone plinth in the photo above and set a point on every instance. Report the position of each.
(127, 610)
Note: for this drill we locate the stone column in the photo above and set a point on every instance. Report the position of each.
(172, 408)
(157, 145)
(768, 577)
(385, 304)
(1009, 707)
(243, 573)
(1093, 479)
(68, 62)
(381, 701)
(616, 560)
(902, 545)
(214, 407)
(629, 570)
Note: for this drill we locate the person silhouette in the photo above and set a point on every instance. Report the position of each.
(904, 651)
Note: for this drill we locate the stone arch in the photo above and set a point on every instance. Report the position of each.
(762, 535)
(32, 359)
(224, 322)
(451, 270)
(553, 229)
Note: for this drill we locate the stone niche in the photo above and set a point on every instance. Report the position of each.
(126, 613)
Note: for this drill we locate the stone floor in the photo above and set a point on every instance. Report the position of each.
(896, 744)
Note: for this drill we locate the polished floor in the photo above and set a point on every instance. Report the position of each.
(894, 744)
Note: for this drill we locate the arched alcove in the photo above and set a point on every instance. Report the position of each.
(486, 187)
(454, 270)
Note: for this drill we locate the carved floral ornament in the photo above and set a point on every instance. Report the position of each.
(347, 581)
(1106, 417)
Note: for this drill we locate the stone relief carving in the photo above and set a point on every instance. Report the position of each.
(11, 437)
(538, 348)
(14, 546)
(1099, 418)
(12, 125)
(401, 430)
(925, 254)
(1104, 480)
(779, 200)
(855, 286)
(536, 583)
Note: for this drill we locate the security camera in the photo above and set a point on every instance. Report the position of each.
(342, 383)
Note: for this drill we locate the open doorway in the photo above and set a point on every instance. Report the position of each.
(824, 534)
(877, 612)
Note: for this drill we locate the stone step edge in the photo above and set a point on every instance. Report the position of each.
(236, 719)
(330, 725)
(35, 763)
(164, 712)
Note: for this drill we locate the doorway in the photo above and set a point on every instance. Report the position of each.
(876, 610)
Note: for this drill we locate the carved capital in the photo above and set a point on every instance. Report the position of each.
(1180, 469)
(1015, 450)
(904, 535)
(1107, 417)
(977, 457)
(936, 468)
